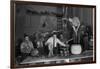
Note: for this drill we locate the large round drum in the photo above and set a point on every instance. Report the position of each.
(35, 52)
(76, 49)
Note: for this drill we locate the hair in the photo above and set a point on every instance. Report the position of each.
(25, 35)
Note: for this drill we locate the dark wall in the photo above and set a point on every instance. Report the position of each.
(27, 22)
(84, 14)
(30, 23)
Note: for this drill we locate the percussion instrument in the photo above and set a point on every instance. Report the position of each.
(26, 49)
(64, 50)
(76, 49)
(34, 52)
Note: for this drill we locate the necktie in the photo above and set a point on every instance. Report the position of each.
(53, 41)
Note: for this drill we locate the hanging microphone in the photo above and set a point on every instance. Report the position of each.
(67, 19)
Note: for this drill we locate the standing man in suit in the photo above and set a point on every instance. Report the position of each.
(52, 42)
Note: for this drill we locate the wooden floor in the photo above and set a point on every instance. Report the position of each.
(33, 60)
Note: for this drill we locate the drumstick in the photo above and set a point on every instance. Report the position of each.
(69, 40)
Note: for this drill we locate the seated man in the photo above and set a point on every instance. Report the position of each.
(40, 47)
(52, 42)
(26, 47)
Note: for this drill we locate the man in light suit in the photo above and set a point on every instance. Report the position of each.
(52, 42)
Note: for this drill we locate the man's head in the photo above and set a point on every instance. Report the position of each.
(76, 21)
(54, 36)
(26, 37)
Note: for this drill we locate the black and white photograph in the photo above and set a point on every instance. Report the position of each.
(50, 34)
